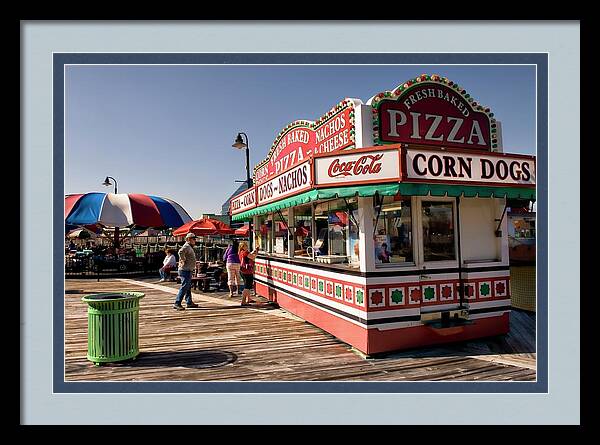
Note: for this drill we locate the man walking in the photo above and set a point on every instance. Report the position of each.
(187, 264)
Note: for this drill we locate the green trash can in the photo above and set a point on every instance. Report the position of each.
(113, 321)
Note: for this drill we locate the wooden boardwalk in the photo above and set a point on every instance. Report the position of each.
(221, 341)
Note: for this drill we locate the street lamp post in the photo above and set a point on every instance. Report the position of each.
(107, 183)
(239, 144)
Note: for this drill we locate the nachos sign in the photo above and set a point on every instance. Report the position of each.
(300, 140)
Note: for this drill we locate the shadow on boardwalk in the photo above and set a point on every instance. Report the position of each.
(245, 344)
(186, 359)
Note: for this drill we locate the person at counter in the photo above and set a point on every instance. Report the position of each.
(247, 271)
(382, 253)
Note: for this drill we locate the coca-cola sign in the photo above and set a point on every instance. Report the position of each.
(367, 164)
(358, 167)
(431, 110)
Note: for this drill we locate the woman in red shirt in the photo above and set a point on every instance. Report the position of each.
(247, 271)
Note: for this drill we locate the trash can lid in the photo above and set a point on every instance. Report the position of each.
(112, 296)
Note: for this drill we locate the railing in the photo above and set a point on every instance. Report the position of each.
(140, 259)
(103, 266)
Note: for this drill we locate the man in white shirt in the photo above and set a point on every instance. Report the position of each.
(169, 264)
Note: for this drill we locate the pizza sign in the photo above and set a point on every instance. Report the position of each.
(302, 139)
(430, 110)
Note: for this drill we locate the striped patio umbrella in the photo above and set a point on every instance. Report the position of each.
(81, 233)
(123, 210)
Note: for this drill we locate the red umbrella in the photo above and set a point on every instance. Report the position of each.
(302, 231)
(243, 231)
(204, 226)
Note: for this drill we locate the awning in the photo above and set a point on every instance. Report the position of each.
(408, 189)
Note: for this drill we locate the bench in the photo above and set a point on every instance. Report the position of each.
(201, 282)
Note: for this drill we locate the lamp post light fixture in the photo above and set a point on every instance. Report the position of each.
(107, 183)
(240, 144)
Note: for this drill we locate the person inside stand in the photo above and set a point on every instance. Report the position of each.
(169, 264)
(247, 271)
(403, 235)
(383, 254)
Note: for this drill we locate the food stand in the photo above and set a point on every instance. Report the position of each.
(522, 256)
(385, 223)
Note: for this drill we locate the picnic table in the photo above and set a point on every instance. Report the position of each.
(199, 281)
(204, 275)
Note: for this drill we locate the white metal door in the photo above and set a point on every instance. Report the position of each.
(437, 253)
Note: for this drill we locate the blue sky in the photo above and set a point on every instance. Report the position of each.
(168, 130)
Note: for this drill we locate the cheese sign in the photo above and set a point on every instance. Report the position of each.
(289, 183)
(431, 113)
(355, 168)
(301, 139)
(244, 201)
(434, 166)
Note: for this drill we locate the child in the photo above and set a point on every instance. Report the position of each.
(247, 271)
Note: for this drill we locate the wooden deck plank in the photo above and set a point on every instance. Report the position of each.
(222, 341)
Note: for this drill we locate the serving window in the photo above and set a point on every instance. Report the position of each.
(437, 220)
(336, 231)
(393, 233)
(303, 231)
(264, 234)
(280, 233)
(325, 232)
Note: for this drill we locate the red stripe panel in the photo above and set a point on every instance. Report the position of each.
(420, 336)
(70, 202)
(346, 331)
(144, 212)
(372, 341)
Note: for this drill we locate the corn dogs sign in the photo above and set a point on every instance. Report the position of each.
(429, 165)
